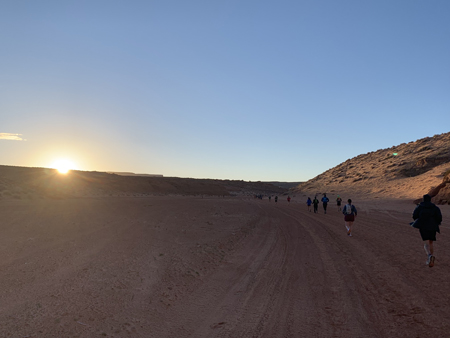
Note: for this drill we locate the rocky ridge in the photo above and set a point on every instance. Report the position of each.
(408, 170)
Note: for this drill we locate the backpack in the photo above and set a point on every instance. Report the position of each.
(348, 209)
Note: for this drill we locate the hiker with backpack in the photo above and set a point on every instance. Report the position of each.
(428, 217)
(315, 204)
(350, 213)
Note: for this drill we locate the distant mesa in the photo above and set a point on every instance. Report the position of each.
(285, 185)
(133, 174)
(37, 183)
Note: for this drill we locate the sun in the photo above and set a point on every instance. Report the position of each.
(63, 165)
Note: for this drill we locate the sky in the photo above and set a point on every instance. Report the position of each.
(244, 90)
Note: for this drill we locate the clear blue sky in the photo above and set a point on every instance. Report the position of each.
(252, 90)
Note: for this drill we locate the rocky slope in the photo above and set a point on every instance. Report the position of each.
(408, 170)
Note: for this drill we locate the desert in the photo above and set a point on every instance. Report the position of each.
(157, 159)
(92, 254)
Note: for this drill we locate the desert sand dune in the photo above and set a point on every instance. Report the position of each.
(166, 266)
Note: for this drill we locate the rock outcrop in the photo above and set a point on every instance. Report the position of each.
(441, 194)
(408, 170)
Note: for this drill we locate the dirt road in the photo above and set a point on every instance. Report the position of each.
(217, 267)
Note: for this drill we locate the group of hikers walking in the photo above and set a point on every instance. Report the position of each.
(427, 218)
(315, 202)
(349, 210)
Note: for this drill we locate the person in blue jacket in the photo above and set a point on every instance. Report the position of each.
(350, 213)
(308, 203)
(325, 201)
(429, 218)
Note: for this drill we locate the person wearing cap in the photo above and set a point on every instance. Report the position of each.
(429, 218)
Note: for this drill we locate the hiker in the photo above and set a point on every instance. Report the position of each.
(339, 201)
(350, 213)
(308, 203)
(276, 199)
(289, 199)
(270, 197)
(316, 204)
(325, 201)
(429, 218)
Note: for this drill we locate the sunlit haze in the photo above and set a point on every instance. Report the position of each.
(63, 166)
(273, 90)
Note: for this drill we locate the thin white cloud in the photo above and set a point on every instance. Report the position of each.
(13, 137)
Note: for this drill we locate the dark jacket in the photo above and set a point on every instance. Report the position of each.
(429, 216)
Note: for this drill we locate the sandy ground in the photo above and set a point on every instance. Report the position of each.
(217, 267)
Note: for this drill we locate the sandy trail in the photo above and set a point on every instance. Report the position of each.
(217, 267)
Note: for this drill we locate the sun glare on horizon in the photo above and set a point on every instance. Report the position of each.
(63, 166)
